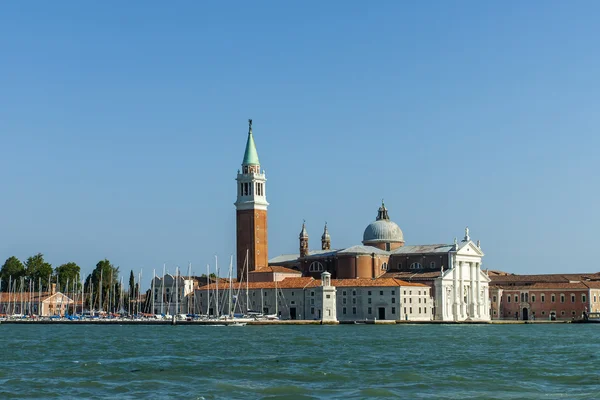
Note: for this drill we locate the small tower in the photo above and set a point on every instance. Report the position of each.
(325, 239)
(303, 240)
(251, 211)
(329, 298)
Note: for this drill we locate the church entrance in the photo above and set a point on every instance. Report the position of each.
(525, 314)
(381, 313)
(293, 313)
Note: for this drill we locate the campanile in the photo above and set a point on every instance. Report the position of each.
(251, 211)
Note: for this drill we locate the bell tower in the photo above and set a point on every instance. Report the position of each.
(303, 237)
(251, 211)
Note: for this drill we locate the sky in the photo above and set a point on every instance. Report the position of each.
(123, 125)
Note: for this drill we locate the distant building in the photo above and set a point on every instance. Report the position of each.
(548, 296)
(45, 304)
(171, 294)
(307, 298)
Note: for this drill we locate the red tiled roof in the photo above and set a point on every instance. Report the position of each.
(547, 286)
(276, 268)
(5, 297)
(300, 283)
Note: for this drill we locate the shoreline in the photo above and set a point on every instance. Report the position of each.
(287, 322)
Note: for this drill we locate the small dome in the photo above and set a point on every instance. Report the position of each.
(383, 231)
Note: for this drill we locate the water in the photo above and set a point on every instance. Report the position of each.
(304, 362)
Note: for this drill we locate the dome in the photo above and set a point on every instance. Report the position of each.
(383, 231)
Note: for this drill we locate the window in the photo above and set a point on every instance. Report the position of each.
(265, 294)
(516, 298)
(369, 300)
(572, 298)
(393, 292)
(419, 310)
(353, 310)
(292, 293)
(572, 312)
(410, 300)
(543, 312)
(399, 265)
(562, 298)
(369, 310)
(419, 292)
(424, 310)
(508, 299)
(553, 298)
(432, 264)
(344, 301)
(425, 300)
(354, 300)
(387, 247)
(543, 298)
(404, 310)
(343, 293)
(384, 266)
(369, 292)
(393, 299)
(381, 292)
(292, 302)
(583, 298)
(405, 300)
(410, 309)
(312, 310)
(405, 292)
(415, 265)
(316, 266)
(419, 300)
(594, 298)
(312, 301)
(393, 310)
(533, 298)
(328, 296)
(562, 313)
(312, 293)
(344, 310)
(353, 292)
(522, 297)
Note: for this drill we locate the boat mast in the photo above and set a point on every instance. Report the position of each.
(176, 291)
(247, 279)
(40, 297)
(230, 287)
(100, 293)
(217, 284)
(162, 294)
(152, 290)
(207, 289)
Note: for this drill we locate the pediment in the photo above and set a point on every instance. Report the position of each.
(469, 249)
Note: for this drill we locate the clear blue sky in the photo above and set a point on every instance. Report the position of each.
(122, 126)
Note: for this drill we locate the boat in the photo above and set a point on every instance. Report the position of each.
(238, 324)
(593, 317)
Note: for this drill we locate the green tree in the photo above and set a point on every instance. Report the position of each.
(131, 285)
(38, 270)
(104, 271)
(12, 269)
(68, 272)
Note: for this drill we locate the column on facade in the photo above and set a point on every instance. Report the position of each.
(479, 305)
(474, 294)
(456, 301)
(461, 290)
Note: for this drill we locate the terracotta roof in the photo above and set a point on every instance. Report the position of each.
(410, 276)
(547, 286)
(531, 279)
(592, 284)
(367, 282)
(275, 268)
(300, 283)
(5, 297)
(424, 249)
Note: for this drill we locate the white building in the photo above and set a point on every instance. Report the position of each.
(164, 292)
(325, 299)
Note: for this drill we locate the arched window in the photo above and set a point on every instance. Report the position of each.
(432, 265)
(415, 265)
(384, 266)
(316, 266)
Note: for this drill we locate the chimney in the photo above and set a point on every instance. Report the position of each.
(53, 289)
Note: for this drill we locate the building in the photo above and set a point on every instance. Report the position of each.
(323, 299)
(451, 271)
(546, 296)
(44, 304)
(171, 294)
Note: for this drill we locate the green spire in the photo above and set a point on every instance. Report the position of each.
(250, 156)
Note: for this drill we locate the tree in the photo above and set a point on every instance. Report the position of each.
(105, 270)
(37, 269)
(131, 285)
(68, 272)
(12, 268)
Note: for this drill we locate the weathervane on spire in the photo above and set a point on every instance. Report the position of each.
(250, 125)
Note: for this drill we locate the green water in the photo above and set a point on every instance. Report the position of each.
(342, 362)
